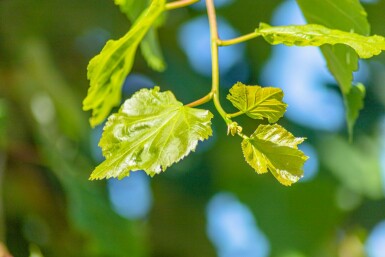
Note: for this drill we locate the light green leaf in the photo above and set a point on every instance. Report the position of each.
(273, 148)
(258, 102)
(151, 131)
(354, 102)
(317, 35)
(108, 70)
(150, 45)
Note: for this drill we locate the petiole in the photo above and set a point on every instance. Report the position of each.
(238, 40)
(180, 4)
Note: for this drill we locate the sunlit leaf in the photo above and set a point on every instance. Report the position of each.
(108, 70)
(354, 102)
(151, 131)
(150, 45)
(258, 102)
(273, 148)
(317, 35)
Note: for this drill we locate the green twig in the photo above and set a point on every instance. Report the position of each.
(238, 40)
(179, 4)
(233, 115)
(205, 99)
(214, 57)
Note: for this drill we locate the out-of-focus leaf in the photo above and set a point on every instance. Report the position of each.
(354, 102)
(152, 52)
(151, 132)
(150, 45)
(132, 8)
(88, 207)
(258, 102)
(346, 15)
(108, 70)
(273, 148)
(356, 166)
(3, 123)
(317, 35)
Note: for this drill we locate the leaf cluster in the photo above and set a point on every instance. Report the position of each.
(152, 130)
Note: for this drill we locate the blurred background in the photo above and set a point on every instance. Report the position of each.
(211, 203)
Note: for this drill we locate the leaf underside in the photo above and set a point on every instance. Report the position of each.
(273, 148)
(108, 70)
(151, 131)
(317, 35)
(258, 102)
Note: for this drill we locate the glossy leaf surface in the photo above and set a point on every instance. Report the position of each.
(108, 70)
(273, 148)
(317, 35)
(151, 131)
(258, 102)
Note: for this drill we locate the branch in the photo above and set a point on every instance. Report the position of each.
(214, 59)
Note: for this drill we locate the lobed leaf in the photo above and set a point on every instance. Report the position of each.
(317, 35)
(258, 102)
(273, 148)
(151, 131)
(108, 70)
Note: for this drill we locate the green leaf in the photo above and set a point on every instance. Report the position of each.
(273, 148)
(150, 45)
(317, 35)
(346, 15)
(354, 102)
(152, 52)
(342, 61)
(132, 8)
(108, 70)
(258, 102)
(151, 131)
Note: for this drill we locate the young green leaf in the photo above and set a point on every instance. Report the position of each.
(354, 102)
(150, 47)
(258, 102)
(273, 148)
(151, 131)
(108, 70)
(317, 35)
